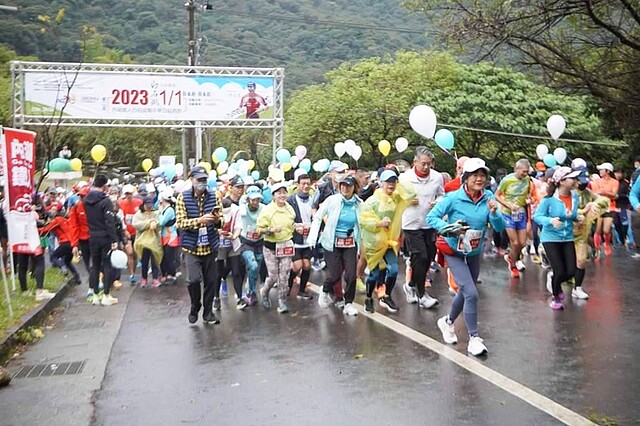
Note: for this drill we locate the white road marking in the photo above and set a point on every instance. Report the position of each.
(526, 394)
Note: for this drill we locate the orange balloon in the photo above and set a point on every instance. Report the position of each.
(540, 166)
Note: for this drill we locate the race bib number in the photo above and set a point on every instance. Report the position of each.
(224, 243)
(469, 241)
(518, 215)
(128, 219)
(203, 237)
(345, 242)
(251, 234)
(285, 249)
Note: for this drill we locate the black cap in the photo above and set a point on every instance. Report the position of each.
(236, 181)
(348, 180)
(198, 172)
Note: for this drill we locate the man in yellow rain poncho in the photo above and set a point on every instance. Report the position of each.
(380, 221)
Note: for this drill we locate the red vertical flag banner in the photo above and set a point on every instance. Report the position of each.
(19, 158)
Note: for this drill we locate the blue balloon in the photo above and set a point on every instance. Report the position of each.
(212, 183)
(283, 156)
(306, 165)
(170, 172)
(221, 154)
(267, 196)
(255, 175)
(444, 139)
(550, 160)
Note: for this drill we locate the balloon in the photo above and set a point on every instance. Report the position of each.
(283, 156)
(153, 172)
(541, 151)
(357, 153)
(550, 160)
(59, 165)
(444, 139)
(277, 175)
(294, 161)
(556, 125)
(206, 165)
(233, 168)
(118, 258)
(324, 164)
(251, 164)
(423, 121)
(286, 167)
(402, 144)
(306, 165)
(560, 154)
(255, 175)
(222, 167)
(220, 154)
(267, 196)
(170, 172)
(213, 174)
(147, 163)
(76, 164)
(179, 169)
(540, 166)
(339, 149)
(243, 170)
(98, 153)
(384, 147)
(349, 146)
(301, 151)
(179, 185)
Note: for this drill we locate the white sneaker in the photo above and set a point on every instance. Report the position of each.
(476, 347)
(448, 331)
(350, 310)
(44, 294)
(97, 297)
(520, 265)
(324, 300)
(579, 293)
(427, 301)
(108, 300)
(410, 293)
(549, 282)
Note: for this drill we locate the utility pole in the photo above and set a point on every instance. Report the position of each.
(191, 61)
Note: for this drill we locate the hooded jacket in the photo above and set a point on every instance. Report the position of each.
(100, 216)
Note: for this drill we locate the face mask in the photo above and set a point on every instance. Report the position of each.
(201, 186)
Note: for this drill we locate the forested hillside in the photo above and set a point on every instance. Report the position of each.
(261, 33)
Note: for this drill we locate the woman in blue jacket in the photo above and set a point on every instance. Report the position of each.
(468, 210)
(556, 214)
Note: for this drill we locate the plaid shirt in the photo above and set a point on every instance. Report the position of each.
(184, 222)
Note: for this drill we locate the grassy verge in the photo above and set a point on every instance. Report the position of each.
(22, 304)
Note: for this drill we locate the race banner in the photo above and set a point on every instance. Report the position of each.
(19, 158)
(139, 96)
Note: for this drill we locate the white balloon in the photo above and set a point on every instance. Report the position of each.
(349, 146)
(423, 121)
(294, 162)
(357, 153)
(556, 125)
(339, 149)
(402, 144)
(541, 151)
(560, 154)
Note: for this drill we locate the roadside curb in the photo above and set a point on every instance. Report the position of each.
(36, 316)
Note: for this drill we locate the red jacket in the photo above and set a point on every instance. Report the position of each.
(453, 185)
(78, 219)
(62, 228)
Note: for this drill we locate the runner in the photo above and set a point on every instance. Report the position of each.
(468, 210)
(252, 240)
(168, 235)
(130, 206)
(607, 186)
(148, 246)
(301, 203)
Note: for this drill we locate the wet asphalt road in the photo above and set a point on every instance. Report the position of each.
(317, 367)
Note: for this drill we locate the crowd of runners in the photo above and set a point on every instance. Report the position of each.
(357, 225)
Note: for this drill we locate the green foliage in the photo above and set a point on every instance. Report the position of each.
(370, 100)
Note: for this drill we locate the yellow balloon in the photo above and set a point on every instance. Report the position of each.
(206, 165)
(250, 165)
(384, 147)
(222, 168)
(286, 167)
(76, 164)
(98, 153)
(147, 163)
(215, 159)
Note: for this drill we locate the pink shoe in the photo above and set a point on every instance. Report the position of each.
(156, 283)
(143, 283)
(556, 304)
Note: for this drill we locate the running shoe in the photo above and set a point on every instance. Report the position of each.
(282, 307)
(96, 299)
(117, 284)
(350, 310)
(579, 293)
(241, 304)
(427, 301)
(515, 273)
(43, 294)
(325, 300)
(143, 283)
(132, 279)
(210, 318)
(388, 303)
(556, 304)
(476, 346)
(635, 255)
(216, 303)
(254, 299)
(156, 283)
(607, 249)
(448, 330)
(520, 265)
(368, 305)
(550, 282)
(410, 293)
(192, 317)
(108, 300)
(305, 295)
(89, 296)
(339, 303)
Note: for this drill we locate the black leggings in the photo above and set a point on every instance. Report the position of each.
(562, 257)
(168, 264)
(146, 258)
(237, 272)
(38, 269)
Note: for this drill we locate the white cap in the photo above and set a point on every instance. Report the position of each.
(578, 163)
(128, 189)
(151, 188)
(564, 173)
(167, 194)
(276, 186)
(606, 166)
(474, 164)
(115, 181)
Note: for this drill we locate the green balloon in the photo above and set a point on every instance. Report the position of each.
(59, 165)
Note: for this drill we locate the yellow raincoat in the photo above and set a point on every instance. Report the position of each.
(377, 240)
(146, 238)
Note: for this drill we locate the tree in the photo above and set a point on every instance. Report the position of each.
(585, 46)
(371, 100)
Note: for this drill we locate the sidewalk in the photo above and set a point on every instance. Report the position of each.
(69, 364)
